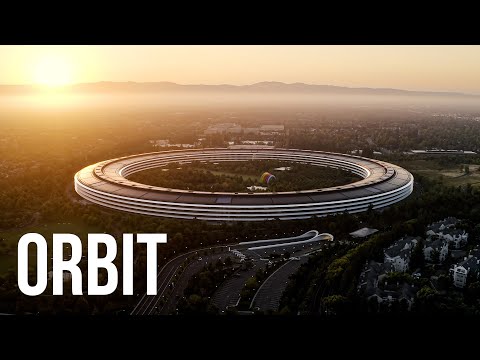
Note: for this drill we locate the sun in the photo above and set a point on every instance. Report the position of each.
(53, 71)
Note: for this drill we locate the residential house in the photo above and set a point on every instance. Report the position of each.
(399, 253)
(439, 226)
(456, 237)
(470, 265)
(439, 245)
(446, 230)
(374, 274)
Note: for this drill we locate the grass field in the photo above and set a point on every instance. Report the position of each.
(9, 261)
(450, 175)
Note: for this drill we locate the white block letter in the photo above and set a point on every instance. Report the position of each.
(60, 265)
(151, 240)
(23, 284)
(94, 263)
(127, 264)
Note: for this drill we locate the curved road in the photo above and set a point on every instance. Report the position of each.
(268, 295)
(148, 304)
(270, 292)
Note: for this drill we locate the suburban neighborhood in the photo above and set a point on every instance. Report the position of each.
(440, 261)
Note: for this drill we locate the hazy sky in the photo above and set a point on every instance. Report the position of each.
(438, 68)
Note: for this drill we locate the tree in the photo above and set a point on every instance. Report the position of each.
(473, 290)
(334, 304)
(248, 264)
(260, 274)
(443, 282)
(417, 259)
(404, 306)
(251, 283)
(367, 152)
(372, 304)
(425, 299)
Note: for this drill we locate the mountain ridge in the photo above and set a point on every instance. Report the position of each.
(262, 87)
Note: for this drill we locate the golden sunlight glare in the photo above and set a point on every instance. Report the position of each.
(53, 71)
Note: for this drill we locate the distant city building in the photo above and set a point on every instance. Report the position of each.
(360, 152)
(272, 128)
(233, 128)
(441, 151)
(223, 128)
(236, 129)
(159, 143)
(251, 131)
(251, 147)
(166, 144)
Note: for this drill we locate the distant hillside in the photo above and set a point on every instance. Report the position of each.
(267, 87)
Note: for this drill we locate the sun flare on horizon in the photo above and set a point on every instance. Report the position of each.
(53, 71)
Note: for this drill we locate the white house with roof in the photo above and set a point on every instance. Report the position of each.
(399, 253)
(373, 274)
(460, 272)
(441, 225)
(445, 229)
(456, 237)
(439, 245)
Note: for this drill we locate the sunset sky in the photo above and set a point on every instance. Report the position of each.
(436, 68)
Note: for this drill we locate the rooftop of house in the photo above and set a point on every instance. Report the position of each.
(471, 264)
(447, 222)
(402, 291)
(458, 254)
(435, 244)
(402, 247)
(475, 253)
(369, 277)
(453, 231)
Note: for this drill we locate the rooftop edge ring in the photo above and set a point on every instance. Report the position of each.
(106, 183)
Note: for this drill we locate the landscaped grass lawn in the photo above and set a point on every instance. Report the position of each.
(450, 175)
